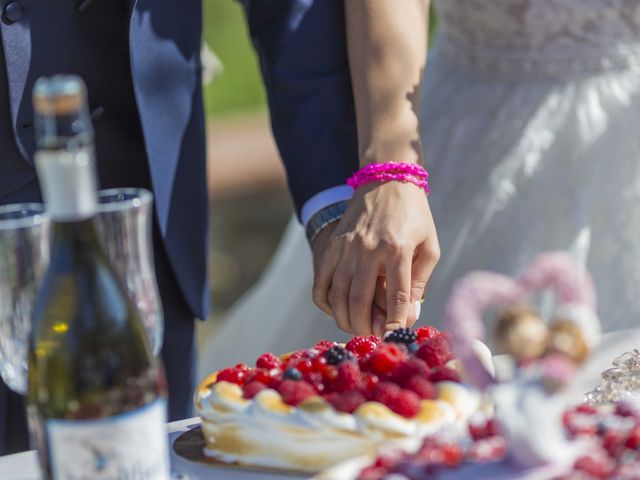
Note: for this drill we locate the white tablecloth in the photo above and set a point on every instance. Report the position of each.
(24, 466)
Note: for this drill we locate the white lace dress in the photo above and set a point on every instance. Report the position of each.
(531, 130)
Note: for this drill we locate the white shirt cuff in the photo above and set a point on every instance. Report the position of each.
(324, 199)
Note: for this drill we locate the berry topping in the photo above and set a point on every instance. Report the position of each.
(406, 404)
(346, 402)
(292, 374)
(251, 389)
(484, 428)
(294, 393)
(441, 374)
(436, 351)
(237, 374)
(263, 376)
(386, 359)
(385, 392)
(411, 368)
(402, 335)
(336, 355)
(349, 377)
(425, 333)
(363, 346)
(268, 361)
(324, 345)
(422, 387)
(402, 402)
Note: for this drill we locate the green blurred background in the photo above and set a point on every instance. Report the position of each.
(238, 88)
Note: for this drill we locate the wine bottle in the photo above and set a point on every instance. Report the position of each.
(96, 396)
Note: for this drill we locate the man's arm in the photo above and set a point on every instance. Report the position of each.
(302, 49)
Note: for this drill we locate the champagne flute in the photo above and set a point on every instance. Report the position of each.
(124, 226)
(24, 252)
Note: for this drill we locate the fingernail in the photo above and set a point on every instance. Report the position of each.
(418, 308)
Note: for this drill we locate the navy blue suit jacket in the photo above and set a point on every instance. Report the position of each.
(302, 53)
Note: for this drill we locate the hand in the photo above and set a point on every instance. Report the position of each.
(385, 246)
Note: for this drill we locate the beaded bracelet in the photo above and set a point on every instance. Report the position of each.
(389, 172)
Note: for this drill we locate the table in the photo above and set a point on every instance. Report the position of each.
(24, 466)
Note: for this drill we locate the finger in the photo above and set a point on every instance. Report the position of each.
(378, 320)
(380, 295)
(339, 295)
(323, 278)
(361, 298)
(424, 262)
(398, 291)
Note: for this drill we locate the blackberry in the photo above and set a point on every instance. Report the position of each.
(292, 374)
(401, 335)
(337, 354)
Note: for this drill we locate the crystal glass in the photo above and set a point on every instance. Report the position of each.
(24, 254)
(124, 225)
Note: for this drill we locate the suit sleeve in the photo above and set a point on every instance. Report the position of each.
(301, 46)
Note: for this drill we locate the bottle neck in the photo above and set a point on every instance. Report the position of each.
(68, 182)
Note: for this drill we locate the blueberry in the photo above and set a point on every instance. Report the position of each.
(292, 374)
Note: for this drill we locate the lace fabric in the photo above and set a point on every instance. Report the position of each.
(540, 37)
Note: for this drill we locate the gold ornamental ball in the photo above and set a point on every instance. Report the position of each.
(566, 338)
(521, 333)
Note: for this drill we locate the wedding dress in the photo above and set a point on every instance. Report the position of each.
(531, 134)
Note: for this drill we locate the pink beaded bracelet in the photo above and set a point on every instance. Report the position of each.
(389, 172)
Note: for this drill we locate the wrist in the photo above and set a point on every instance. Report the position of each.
(326, 216)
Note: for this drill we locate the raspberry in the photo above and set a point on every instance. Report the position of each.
(596, 466)
(347, 402)
(453, 454)
(293, 392)
(579, 424)
(251, 389)
(401, 335)
(385, 392)
(586, 409)
(349, 377)
(336, 355)
(314, 379)
(403, 402)
(633, 441)
(324, 345)
(386, 359)
(268, 361)
(362, 346)
(425, 333)
(370, 381)
(625, 409)
(303, 365)
(422, 387)
(435, 351)
(318, 364)
(263, 376)
(411, 368)
(441, 374)
(480, 430)
(237, 374)
(613, 441)
(406, 404)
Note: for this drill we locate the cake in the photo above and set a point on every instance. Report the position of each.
(312, 408)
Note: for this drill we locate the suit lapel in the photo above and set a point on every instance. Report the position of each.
(16, 43)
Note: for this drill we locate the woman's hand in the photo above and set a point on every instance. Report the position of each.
(386, 243)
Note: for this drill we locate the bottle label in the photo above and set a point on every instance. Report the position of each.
(129, 446)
